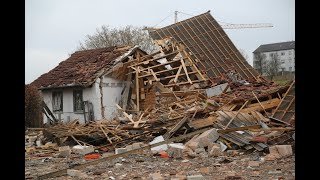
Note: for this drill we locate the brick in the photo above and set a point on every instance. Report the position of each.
(120, 150)
(195, 177)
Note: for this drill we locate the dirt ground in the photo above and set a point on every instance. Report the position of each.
(148, 166)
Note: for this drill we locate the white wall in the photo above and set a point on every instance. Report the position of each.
(111, 89)
(68, 114)
(288, 59)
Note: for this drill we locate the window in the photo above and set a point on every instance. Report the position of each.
(57, 101)
(290, 69)
(283, 53)
(289, 52)
(271, 54)
(290, 59)
(77, 101)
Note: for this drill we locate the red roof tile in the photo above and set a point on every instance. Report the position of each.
(81, 68)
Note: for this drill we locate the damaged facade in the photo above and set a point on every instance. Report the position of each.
(87, 85)
(203, 95)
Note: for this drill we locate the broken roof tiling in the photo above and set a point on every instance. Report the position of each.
(83, 67)
(209, 46)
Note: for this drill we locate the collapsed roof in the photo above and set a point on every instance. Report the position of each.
(82, 68)
(208, 45)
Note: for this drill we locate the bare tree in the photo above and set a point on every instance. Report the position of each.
(244, 54)
(273, 66)
(129, 35)
(259, 58)
(32, 107)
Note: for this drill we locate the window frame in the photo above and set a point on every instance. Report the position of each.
(54, 94)
(75, 108)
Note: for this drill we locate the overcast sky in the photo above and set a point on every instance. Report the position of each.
(54, 28)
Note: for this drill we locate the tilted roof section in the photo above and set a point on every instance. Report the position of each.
(275, 47)
(82, 68)
(207, 42)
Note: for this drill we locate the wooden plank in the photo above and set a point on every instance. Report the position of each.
(154, 59)
(159, 72)
(105, 134)
(269, 104)
(177, 75)
(154, 75)
(182, 83)
(126, 114)
(137, 91)
(236, 115)
(109, 158)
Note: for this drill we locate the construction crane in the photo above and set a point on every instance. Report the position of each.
(224, 26)
(239, 26)
(231, 26)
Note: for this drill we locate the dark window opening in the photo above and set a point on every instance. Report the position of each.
(57, 101)
(77, 101)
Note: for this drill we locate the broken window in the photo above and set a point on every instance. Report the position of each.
(57, 101)
(77, 101)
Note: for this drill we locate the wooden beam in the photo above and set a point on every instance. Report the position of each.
(109, 158)
(154, 75)
(195, 81)
(159, 72)
(177, 75)
(154, 59)
(126, 114)
(185, 70)
(236, 115)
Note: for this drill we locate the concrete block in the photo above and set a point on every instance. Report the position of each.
(199, 150)
(206, 170)
(76, 173)
(64, 151)
(129, 147)
(175, 152)
(156, 176)
(208, 137)
(282, 150)
(254, 163)
(195, 177)
(107, 154)
(181, 176)
(120, 150)
(83, 150)
(137, 145)
(194, 145)
(215, 151)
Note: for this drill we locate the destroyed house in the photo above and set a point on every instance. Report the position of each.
(208, 45)
(86, 86)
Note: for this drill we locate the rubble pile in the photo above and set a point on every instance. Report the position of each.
(196, 112)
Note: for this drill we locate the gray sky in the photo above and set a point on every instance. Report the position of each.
(54, 28)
